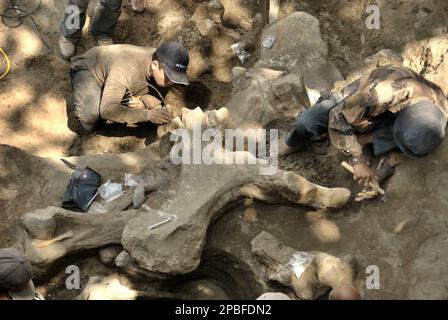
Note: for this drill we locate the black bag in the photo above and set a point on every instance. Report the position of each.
(82, 188)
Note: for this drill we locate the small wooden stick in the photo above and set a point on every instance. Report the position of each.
(349, 168)
(63, 236)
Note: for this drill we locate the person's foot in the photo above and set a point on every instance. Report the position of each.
(285, 150)
(384, 171)
(66, 47)
(387, 164)
(104, 41)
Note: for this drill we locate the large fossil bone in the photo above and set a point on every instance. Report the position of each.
(196, 195)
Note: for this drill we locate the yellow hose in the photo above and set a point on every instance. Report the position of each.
(8, 64)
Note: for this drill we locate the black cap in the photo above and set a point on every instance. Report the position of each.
(419, 129)
(15, 270)
(174, 58)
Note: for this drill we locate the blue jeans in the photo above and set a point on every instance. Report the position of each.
(313, 122)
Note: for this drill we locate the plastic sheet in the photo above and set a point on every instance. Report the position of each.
(111, 191)
(268, 41)
(239, 49)
(299, 262)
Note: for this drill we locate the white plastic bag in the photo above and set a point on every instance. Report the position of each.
(239, 49)
(110, 191)
(299, 262)
(268, 41)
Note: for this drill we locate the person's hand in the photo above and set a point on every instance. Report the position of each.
(138, 5)
(159, 116)
(366, 194)
(364, 175)
(136, 103)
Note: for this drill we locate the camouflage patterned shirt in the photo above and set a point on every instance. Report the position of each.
(385, 89)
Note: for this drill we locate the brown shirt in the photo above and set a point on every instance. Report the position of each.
(385, 89)
(119, 69)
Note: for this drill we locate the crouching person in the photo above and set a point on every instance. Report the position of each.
(15, 276)
(111, 82)
(399, 113)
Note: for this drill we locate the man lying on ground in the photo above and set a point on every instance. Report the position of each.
(401, 114)
(111, 82)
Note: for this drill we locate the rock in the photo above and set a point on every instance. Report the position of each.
(215, 10)
(294, 51)
(208, 28)
(200, 13)
(254, 91)
(320, 79)
(139, 197)
(323, 228)
(108, 254)
(292, 74)
(287, 96)
(108, 288)
(40, 224)
(306, 55)
(199, 64)
(239, 14)
(429, 58)
(124, 260)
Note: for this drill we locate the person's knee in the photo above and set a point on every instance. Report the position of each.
(79, 118)
(87, 123)
(81, 4)
(113, 5)
(75, 124)
(308, 125)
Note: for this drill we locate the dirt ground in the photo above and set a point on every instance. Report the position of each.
(34, 95)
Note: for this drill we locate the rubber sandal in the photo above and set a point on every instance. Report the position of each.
(384, 171)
